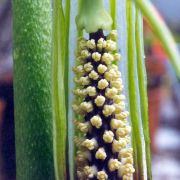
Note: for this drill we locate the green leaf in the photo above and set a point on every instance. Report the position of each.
(162, 32)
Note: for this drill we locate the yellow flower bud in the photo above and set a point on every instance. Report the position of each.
(90, 144)
(111, 92)
(82, 44)
(118, 145)
(122, 132)
(102, 84)
(115, 124)
(76, 109)
(80, 92)
(85, 54)
(84, 80)
(96, 56)
(91, 44)
(117, 57)
(114, 164)
(107, 58)
(108, 110)
(83, 127)
(91, 91)
(117, 84)
(124, 153)
(78, 69)
(119, 98)
(101, 154)
(102, 68)
(96, 121)
(111, 75)
(113, 35)
(90, 171)
(111, 45)
(108, 136)
(101, 44)
(88, 67)
(101, 175)
(127, 169)
(119, 107)
(99, 101)
(86, 106)
(122, 115)
(93, 75)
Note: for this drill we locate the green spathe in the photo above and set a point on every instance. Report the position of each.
(93, 16)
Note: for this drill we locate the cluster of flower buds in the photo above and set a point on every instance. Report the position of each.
(100, 110)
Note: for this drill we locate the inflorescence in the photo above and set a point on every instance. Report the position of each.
(99, 107)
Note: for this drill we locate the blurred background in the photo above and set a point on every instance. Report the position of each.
(163, 93)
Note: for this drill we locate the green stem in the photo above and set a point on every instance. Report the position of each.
(133, 103)
(162, 31)
(93, 16)
(136, 174)
(113, 6)
(143, 89)
(66, 60)
(79, 31)
(59, 104)
(32, 35)
(70, 143)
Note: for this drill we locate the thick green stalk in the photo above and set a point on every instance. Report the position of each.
(142, 80)
(162, 32)
(133, 102)
(59, 96)
(32, 35)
